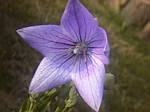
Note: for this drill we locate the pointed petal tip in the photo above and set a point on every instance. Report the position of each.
(96, 109)
(90, 87)
(20, 31)
(31, 90)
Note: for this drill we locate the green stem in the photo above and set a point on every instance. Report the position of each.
(65, 109)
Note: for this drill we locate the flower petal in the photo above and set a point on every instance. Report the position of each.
(99, 46)
(51, 73)
(107, 48)
(47, 39)
(89, 80)
(78, 21)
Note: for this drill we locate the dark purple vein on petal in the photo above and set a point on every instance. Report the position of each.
(70, 31)
(49, 35)
(62, 38)
(70, 40)
(61, 74)
(93, 60)
(94, 41)
(71, 27)
(93, 36)
(80, 66)
(86, 40)
(53, 61)
(38, 37)
(85, 35)
(67, 69)
(93, 70)
(96, 53)
(77, 20)
(85, 28)
(57, 68)
(94, 47)
(90, 82)
(96, 65)
(45, 46)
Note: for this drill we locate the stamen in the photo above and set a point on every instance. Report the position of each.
(80, 48)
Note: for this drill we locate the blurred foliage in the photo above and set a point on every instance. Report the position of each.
(51, 101)
(130, 57)
(36, 102)
(130, 61)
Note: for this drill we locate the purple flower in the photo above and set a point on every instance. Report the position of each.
(76, 50)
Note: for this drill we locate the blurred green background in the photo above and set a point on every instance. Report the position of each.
(128, 25)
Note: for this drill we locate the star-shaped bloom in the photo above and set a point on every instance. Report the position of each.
(76, 50)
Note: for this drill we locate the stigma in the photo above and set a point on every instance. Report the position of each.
(79, 49)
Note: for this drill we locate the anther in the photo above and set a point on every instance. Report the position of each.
(80, 48)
